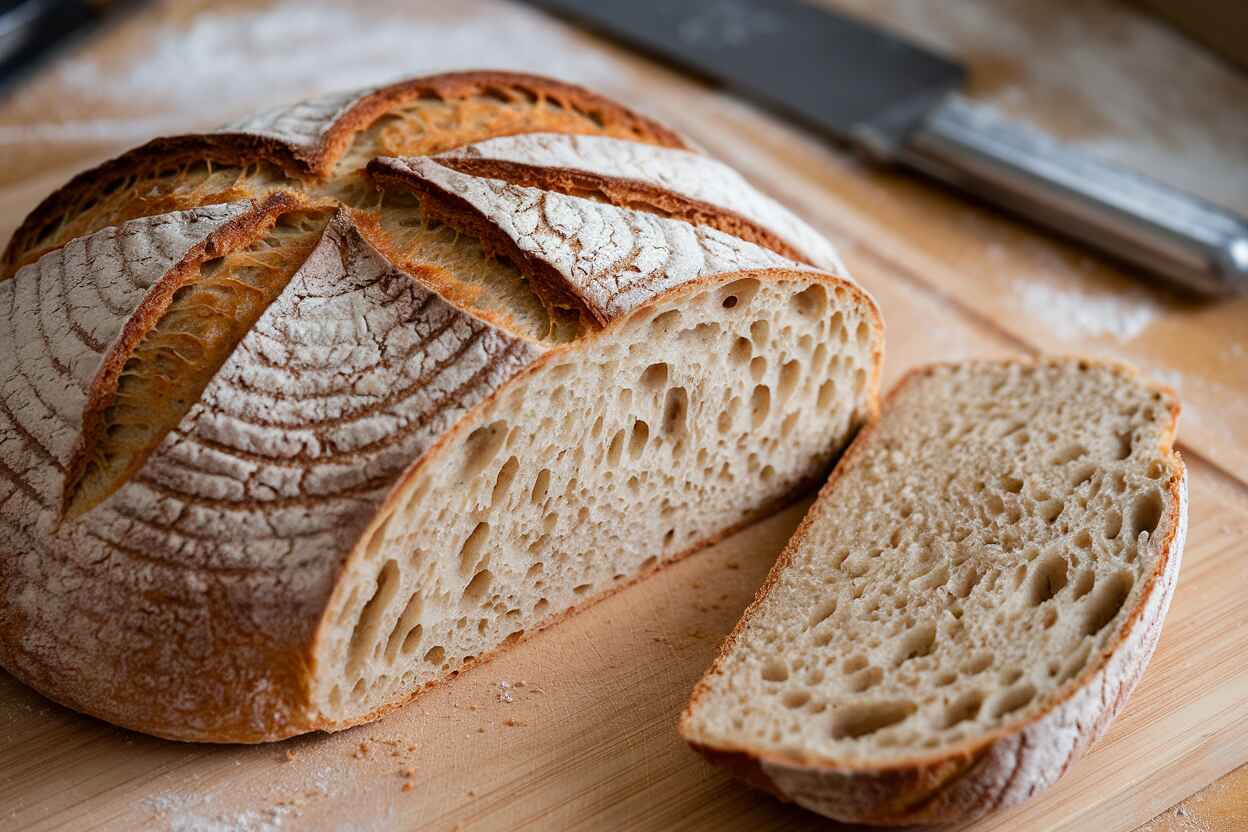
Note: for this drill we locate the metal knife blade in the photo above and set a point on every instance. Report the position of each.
(833, 73)
(33, 31)
(899, 103)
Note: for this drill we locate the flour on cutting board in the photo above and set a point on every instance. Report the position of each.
(228, 62)
(1074, 314)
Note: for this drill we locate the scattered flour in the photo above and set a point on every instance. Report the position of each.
(1074, 314)
(223, 62)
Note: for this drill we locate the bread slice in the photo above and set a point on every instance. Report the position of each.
(302, 416)
(967, 605)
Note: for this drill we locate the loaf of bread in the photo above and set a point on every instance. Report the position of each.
(967, 605)
(306, 414)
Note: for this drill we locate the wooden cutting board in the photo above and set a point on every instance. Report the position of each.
(575, 728)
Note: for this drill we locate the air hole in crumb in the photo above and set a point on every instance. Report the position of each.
(760, 333)
(1083, 584)
(637, 442)
(506, 475)
(823, 612)
(811, 302)
(481, 446)
(1082, 474)
(404, 627)
(827, 395)
(1013, 699)
(1124, 445)
(1113, 524)
(541, 486)
(1048, 577)
(1145, 514)
(918, 642)
(1075, 664)
(790, 375)
(854, 663)
(474, 546)
(1069, 454)
(435, 656)
(977, 664)
(862, 719)
(795, 698)
(775, 670)
(1105, 602)
(963, 709)
(743, 290)
(478, 586)
(615, 449)
(966, 581)
(366, 627)
(581, 589)
(655, 377)
(864, 679)
(742, 349)
(760, 404)
(674, 411)
(1050, 510)
(665, 322)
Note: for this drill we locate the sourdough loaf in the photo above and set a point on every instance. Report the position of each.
(966, 606)
(303, 415)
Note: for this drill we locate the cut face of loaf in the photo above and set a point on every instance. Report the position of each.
(684, 421)
(296, 419)
(968, 603)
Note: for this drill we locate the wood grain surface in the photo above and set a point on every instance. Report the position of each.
(588, 740)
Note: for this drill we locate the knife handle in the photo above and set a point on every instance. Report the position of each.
(1191, 243)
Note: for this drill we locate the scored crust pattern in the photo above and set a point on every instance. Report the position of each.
(185, 601)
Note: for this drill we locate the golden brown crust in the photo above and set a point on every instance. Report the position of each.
(257, 687)
(628, 193)
(234, 234)
(982, 774)
(288, 668)
(443, 206)
(315, 163)
(463, 84)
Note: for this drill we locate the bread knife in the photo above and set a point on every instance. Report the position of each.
(899, 104)
(33, 31)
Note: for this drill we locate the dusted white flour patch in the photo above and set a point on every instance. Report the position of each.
(1073, 314)
(691, 175)
(615, 258)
